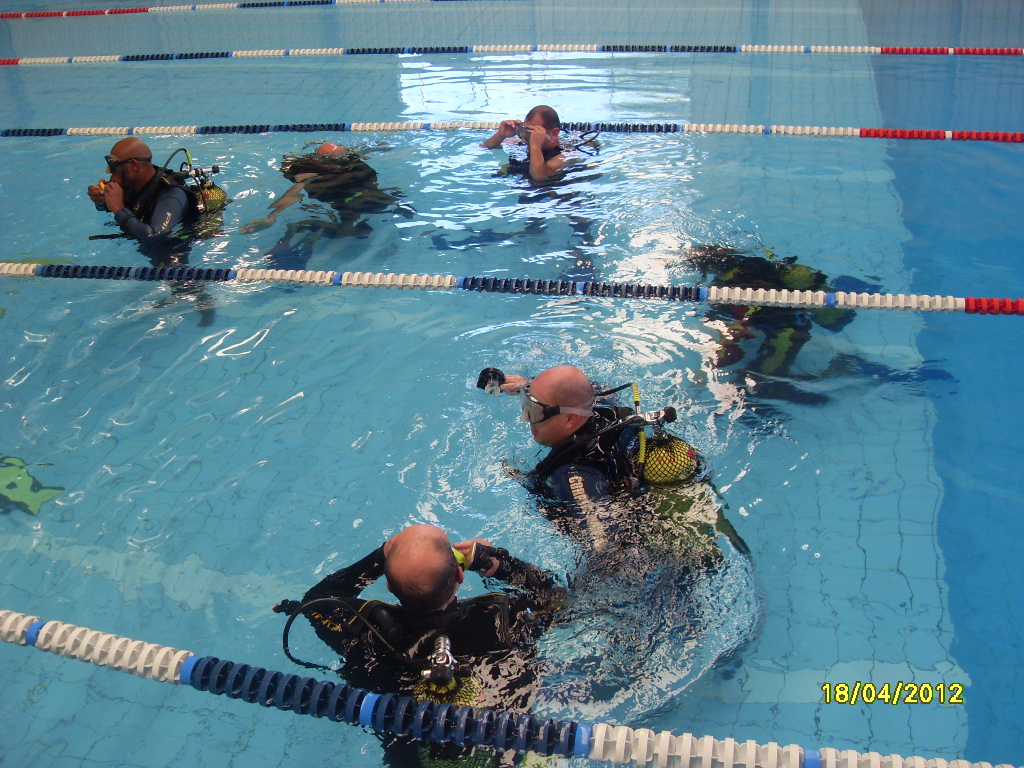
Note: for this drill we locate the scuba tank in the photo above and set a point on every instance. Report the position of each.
(663, 459)
(210, 199)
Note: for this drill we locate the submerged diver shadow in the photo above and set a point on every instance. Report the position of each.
(646, 620)
(338, 188)
(780, 333)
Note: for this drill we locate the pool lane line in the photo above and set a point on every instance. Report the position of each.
(513, 48)
(1009, 137)
(403, 716)
(714, 294)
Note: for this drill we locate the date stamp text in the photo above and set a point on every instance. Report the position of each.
(900, 692)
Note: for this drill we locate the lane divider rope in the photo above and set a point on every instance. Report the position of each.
(692, 293)
(1011, 137)
(610, 48)
(424, 720)
(398, 50)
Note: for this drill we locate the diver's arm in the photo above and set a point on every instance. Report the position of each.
(538, 585)
(506, 130)
(542, 168)
(169, 210)
(350, 581)
(289, 198)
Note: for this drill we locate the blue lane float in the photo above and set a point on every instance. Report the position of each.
(390, 714)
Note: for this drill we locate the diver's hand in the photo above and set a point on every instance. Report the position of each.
(95, 192)
(537, 136)
(513, 383)
(508, 127)
(113, 196)
(475, 556)
(256, 225)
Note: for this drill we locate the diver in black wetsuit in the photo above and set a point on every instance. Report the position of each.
(385, 647)
(596, 459)
(656, 538)
(587, 461)
(147, 201)
(539, 133)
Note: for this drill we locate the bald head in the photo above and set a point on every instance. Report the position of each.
(421, 569)
(564, 385)
(133, 163)
(132, 147)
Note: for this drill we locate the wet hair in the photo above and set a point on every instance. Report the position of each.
(547, 116)
(431, 591)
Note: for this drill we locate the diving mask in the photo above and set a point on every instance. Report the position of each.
(534, 411)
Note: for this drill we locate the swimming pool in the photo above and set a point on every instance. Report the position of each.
(209, 471)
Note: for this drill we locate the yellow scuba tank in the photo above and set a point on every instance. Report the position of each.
(664, 459)
(669, 460)
(444, 681)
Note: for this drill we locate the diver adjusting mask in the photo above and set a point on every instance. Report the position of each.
(534, 411)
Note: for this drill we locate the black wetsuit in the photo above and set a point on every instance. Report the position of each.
(495, 633)
(348, 186)
(157, 208)
(594, 465)
(519, 157)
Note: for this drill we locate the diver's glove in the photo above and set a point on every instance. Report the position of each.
(490, 381)
(287, 606)
(480, 558)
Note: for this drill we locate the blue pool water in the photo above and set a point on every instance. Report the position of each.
(211, 470)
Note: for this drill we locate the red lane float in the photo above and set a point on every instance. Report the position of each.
(915, 50)
(983, 306)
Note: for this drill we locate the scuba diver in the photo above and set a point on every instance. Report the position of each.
(339, 177)
(593, 441)
(432, 645)
(164, 210)
(649, 528)
(474, 652)
(539, 134)
(783, 330)
(600, 452)
(148, 201)
(536, 147)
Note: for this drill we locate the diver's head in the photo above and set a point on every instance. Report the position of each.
(557, 403)
(327, 148)
(130, 163)
(421, 569)
(545, 117)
